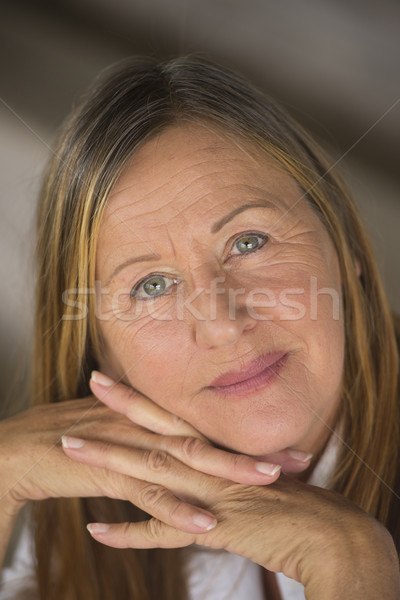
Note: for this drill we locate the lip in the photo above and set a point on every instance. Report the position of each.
(255, 376)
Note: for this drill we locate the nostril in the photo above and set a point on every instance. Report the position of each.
(250, 325)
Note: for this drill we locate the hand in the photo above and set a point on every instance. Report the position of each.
(33, 466)
(312, 535)
(186, 445)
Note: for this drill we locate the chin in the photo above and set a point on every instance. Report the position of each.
(256, 442)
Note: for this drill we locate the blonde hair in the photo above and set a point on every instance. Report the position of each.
(129, 104)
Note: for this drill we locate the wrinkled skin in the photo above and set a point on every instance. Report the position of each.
(34, 467)
(149, 441)
(165, 204)
(312, 535)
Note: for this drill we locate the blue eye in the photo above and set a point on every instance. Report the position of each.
(249, 242)
(153, 286)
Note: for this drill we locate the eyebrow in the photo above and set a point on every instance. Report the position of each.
(214, 229)
(222, 222)
(131, 261)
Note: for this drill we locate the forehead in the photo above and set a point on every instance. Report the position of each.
(190, 169)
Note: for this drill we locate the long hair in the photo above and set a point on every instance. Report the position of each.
(128, 105)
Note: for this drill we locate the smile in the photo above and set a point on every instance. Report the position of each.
(257, 375)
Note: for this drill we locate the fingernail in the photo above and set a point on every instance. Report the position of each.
(102, 379)
(72, 442)
(267, 468)
(204, 521)
(94, 528)
(299, 455)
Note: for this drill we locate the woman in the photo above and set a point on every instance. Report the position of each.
(197, 251)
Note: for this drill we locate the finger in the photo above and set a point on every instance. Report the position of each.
(162, 504)
(292, 461)
(138, 408)
(142, 411)
(203, 457)
(173, 463)
(152, 466)
(146, 534)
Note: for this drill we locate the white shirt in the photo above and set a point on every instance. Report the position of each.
(212, 574)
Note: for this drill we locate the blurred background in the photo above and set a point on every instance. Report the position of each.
(334, 64)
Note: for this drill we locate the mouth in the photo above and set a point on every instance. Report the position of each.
(259, 373)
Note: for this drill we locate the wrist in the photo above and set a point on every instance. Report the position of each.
(9, 509)
(11, 499)
(362, 565)
(10, 505)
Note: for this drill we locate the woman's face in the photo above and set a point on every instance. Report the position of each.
(220, 294)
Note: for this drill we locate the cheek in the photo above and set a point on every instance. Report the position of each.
(149, 354)
(303, 299)
(315, 316)
(290, 293)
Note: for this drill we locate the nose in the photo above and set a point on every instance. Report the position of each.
(224, 316)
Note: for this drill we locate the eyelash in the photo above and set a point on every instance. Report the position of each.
(249, 234)
(142, 282)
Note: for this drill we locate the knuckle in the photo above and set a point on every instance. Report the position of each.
(124, 531)
(17, 500)
(151, 496)
(115, 485)
(130, 393)
(104, 450)
(236, 462)
(154, 529)
(175, 511)
(180, 424)
(177, 420)
(192, 447)
(157, 460)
